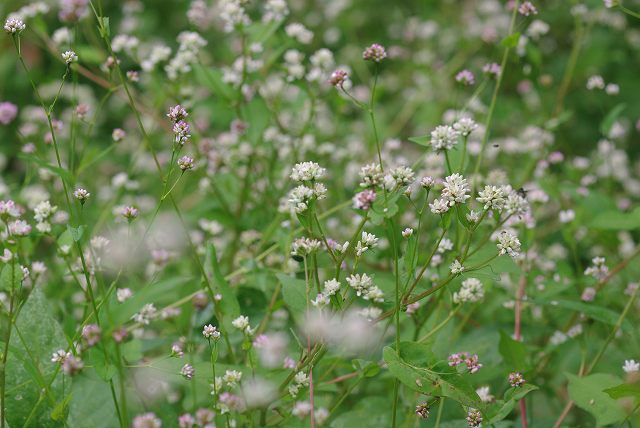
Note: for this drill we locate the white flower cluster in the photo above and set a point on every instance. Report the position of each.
(42, 213)
(444, 137)
(146, 314)
(190, 44)
(302, 196)
(305, 246)
(508, 243)
(242, 324)
(299, 32)
(275, 11)
(363, 284)
(598, 269)
(456, 267)
(371, 175)
(398, 177)
(455, 191)
(367, 241)
(331, 287)
(300, 380)
(465, 126)
(493, 197)
(233, 14)
(471, 291)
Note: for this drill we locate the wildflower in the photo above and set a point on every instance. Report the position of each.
(364, 199)
(177, 113)
(455, 189)
(185, 163)
(91, 334)
(14, 26)
(305, 246)
(123, 294)
(8, 112)
(307, 171)
(232, 377)
(485, 394)
(427, 182)
(360, 282)
(516, 380)
(439, 206)
(474, 418)
(508, 243)
(146, 420)
(398, 177)
(242, 324)
(465, 126)
(69, 57)
(60, 356)
(187, 371)
(145, 315)
(406, 233)
(631, 366)
(422, 410)
(210, 332)
(186, 421)
(471, 291)
(19, 228)
(444, 137)
(118, 135)
(465, 77)
(492, 197)
(595, 82)
(81, 195)
(492, 70)
(473, 216)
(182, 130)
(598, 269)
(527, 8)
(371, 175)
(301, 409)
(338, 78)
(72, 365)
(375, 53)
(588, 294)
(130, 213)
(300, 197)
(456, 267)
(567, 216)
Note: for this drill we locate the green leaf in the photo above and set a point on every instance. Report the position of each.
(59, 412)
(511, 41)
(29, 367)
(588, 394)
(624, 390)
(513, 352)
(611, 118)
(502, 408)
(424, 140)
(418, 369)
(103, 27)
(10, 277)
(60, 172)
(617, 220)
(91, 405)
(76, 232)
(294, 293)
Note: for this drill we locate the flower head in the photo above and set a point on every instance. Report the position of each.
(375, 53)
(185, 163)
(69, 56)
(14, 26)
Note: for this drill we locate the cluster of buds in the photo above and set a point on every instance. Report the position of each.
(181, 128)
(471, 361)
(516, 379)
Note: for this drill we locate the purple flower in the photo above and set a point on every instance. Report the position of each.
(8, 112)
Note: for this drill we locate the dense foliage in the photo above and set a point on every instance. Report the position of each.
(341, 213)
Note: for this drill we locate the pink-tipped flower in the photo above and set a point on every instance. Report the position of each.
(364, 199)
(185, 163)
(466, 77)
(91, 334)
(338, 78)
(81, 195)
(422, 410)
(8, 112)
(14, 26)
(492, 69)
(187, 371)
(516, 380)
(130, 213)
(118, 135)
(182, 132)
(527, 8)
(177, 113)
(375, 53)
(474, 418)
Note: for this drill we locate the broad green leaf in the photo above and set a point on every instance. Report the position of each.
(617, 220)
(624, 390)
(588, 393)
(10, 277)
(511, 41)
(29, 366)
(76, 232)
(598, 313)
(91, 404)
(502, 408)
(514, 353)
(294, 293)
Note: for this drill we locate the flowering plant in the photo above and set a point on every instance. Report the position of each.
(234, 215)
